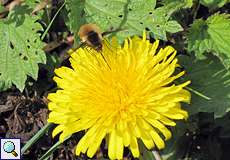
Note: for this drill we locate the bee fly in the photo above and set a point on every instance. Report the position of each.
(91, 35)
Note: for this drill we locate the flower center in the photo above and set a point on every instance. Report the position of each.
(119, 93)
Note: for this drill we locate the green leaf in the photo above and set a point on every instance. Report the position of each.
(178, 4)
(76, 12)
(214, 3)
(145, 154)
(211, 35)
(2, 8)
(162, 22)
(210, 78)
(76, 16)
(171, 146)
(173, 27)
(32, 3)
(132, 17)
(177, 146)
(20, 49)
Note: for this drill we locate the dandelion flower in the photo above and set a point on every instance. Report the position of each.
(129, 97)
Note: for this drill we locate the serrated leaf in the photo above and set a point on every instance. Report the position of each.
(20, 49)
(211, 35)
(214, 3)
(162, 22)
(132, 17)
(210, 78)
(173, 27)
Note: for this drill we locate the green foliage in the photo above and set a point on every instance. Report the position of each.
(132, 17)
(32, 3)
(188, 138)
(144, 152)
(1, 8)
(76, 12)
(214, 3)
(177, 4)
(20, 49)
(211, 35)
(211, 79)
(76, 15)
(162, 22)
(170, 152)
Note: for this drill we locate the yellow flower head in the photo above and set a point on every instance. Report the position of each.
(130, 96)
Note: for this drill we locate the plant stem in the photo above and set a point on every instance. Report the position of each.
(156, 155)
(195, 10)
(51, 22)
(34, 139)
(52, 149)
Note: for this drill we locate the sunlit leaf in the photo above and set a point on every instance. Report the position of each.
(214, 3)
(212, 36)
(76, 16)
(177, 4)
(131, 17)
(163, 24)
(20, 49)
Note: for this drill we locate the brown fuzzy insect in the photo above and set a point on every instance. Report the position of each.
(91, 35)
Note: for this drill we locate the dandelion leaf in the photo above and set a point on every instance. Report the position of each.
(210, 78)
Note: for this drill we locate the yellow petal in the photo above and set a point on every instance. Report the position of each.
(96, 143)
(134, 147)
(157, 139)
(126, 138)
(112, 145)
(167, 134)
(57, 130)
(147, 140)
(81, 146)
